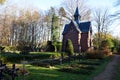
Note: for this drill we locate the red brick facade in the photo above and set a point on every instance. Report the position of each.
(74, 36)
(79, 33)
(78, 39)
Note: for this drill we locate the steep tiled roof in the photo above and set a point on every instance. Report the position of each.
(84, 26)
(65, 28)
(76, 24)
(81, 27)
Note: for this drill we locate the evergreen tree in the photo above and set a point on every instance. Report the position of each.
(54, 24)
(69, 48)
(55, 28)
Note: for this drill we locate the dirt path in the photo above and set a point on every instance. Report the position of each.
(109, 71)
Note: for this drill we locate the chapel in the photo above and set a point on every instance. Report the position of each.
(79, 32)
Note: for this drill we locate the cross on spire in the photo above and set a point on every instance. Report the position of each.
(76, 14)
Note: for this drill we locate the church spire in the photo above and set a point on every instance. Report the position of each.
(76, 14)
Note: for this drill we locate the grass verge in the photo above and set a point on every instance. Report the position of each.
(40, 73)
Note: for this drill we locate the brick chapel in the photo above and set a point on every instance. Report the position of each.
(80, 33)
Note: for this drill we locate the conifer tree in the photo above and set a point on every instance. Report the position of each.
(69, 48)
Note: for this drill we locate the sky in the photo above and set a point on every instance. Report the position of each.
(46, 4)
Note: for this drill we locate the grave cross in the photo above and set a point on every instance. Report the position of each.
(2, 68)
(14, 72)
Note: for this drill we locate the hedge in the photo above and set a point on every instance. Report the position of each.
(13, 57)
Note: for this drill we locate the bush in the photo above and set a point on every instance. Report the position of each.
(95, 54)
(58, 46)
(75, 70)
(24, 49)
(84, 66)
(22, 72)
(50, 47)
(13, 57)
(107, 52)
(2, 48)
(56, 55)
(10, 48)
(106, 44)
(69, 48)
(41, 64)
(90, 63)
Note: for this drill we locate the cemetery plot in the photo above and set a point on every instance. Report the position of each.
(5, 72)
(84, 67)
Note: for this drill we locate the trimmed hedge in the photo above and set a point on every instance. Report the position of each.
(85, 67)
(13, 57)
(75, 70)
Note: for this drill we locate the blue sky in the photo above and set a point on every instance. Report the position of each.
(46, 4)
(40, 4)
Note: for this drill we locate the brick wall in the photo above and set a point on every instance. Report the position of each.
(78, 39)
(73, 35)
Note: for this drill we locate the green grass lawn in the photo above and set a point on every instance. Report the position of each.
(40, 73)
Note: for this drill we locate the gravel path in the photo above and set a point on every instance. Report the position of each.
(108, 73)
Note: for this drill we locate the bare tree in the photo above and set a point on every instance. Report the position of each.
(2, 1)
(62, 14)
(71, 5)
(102, 22)
(5, 26)
(116, 15)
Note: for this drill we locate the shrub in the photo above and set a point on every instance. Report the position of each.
(58, 46)
(23, 72)
(90, 63)
(41, 64)
(10, 48)
(89, 67)
(2, 48)
(85, 65)
(75, 70)
(56, 55)
(13, 57)
(106, 44)
(69, 48)
(50, 47)
(23, 49)
(95, 54)
(107, 52)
